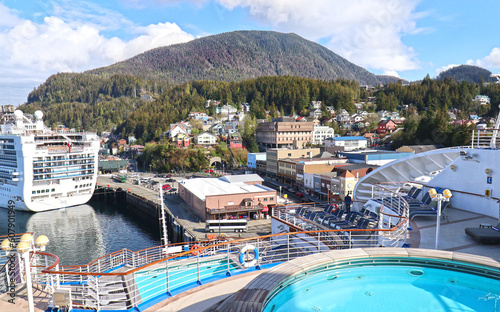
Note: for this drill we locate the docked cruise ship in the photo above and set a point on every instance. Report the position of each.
(42, 169)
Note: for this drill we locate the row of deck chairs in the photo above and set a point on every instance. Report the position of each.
(339, 218)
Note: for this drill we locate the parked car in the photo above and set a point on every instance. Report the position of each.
(167, 187)
(169, 175)
(299, 194)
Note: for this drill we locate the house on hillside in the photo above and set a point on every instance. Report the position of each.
(234, 140)
(315, 105)
(181, 140)
(386, 126)
(228, 109)
(205, 138)
(175, 129)
(315, 113)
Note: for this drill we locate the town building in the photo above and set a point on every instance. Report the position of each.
(320, 133)
(205, 138)
(275, 154)
(315, 105)
(252, 159)
(238, 196)
(415, 149)
(346, 143)
(280, 134)
(175, 129)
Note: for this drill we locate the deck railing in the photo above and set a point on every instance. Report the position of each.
(487, 138)
(125, 279)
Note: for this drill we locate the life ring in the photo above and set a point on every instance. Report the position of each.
(195, 253)
(243, 251)
(335, 207)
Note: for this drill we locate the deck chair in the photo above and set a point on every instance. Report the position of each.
(485, 234)
(426, 200)
(429, 211)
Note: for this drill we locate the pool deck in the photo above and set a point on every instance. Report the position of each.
(245, 292)
(220, 295)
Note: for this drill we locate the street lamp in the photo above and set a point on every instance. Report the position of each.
(280, 190)
(150, 168)
(445, 196)
(23, 249)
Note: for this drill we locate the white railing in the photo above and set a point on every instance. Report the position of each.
(487, 138)
(125, 279)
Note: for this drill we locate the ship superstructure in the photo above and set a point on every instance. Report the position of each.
(43, 169)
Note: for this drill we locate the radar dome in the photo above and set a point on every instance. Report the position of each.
(38, 114)
(18, 113)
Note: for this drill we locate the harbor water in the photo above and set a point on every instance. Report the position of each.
(84, 233)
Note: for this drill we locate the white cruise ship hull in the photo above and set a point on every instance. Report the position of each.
(41, 169)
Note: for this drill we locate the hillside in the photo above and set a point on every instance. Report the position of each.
(241, 55)
(467, 73)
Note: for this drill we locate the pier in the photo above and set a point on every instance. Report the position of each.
(182, 223)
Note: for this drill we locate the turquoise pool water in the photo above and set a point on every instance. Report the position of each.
(152, 283)
(382, 288)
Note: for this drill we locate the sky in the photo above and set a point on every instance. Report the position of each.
(404, 38)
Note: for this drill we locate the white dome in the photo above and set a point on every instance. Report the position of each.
(18, 113)
(38, 114)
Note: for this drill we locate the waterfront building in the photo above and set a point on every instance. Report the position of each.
(237, 196)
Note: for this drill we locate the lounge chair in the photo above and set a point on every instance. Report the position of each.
(428, 211)
(485, 234)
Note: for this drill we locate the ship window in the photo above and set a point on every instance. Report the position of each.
(33, 192)
(38, 191)
(53, 190)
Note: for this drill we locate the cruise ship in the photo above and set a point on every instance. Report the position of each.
(43, 169)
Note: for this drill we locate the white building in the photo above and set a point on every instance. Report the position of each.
(228, 109)
(347, 143)
(320, 133)
(315, 105)
(205, 138)
(315, 113)
(175, 129)
(482, 99)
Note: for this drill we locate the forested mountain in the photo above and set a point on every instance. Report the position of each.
(467, 73)
(241, 55)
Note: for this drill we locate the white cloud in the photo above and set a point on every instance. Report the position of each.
(445, 68)
(39, 49)
(490, 61)
(366, 32)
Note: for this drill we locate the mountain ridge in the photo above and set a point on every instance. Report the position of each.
(241, 55)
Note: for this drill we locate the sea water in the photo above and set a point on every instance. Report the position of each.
(84, 233)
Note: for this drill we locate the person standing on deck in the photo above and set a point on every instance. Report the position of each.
(348, 202)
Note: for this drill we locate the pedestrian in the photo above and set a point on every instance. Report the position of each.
(348, 202)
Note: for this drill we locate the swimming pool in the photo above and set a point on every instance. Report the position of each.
(390, 285)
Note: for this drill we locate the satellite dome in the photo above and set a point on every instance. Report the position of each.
(38, 114)
(18, 113)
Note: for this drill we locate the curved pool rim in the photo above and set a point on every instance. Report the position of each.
(262, 289)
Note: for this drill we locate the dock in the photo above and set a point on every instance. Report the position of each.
(180, 213)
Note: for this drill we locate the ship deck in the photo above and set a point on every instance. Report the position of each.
(452, 237)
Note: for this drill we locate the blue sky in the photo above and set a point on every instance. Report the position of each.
(407, 38)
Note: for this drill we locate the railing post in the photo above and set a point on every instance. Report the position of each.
(98, 304)
(167, 278)
(228, 273)
(198, 268)
(319, 242)
(288, 247)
